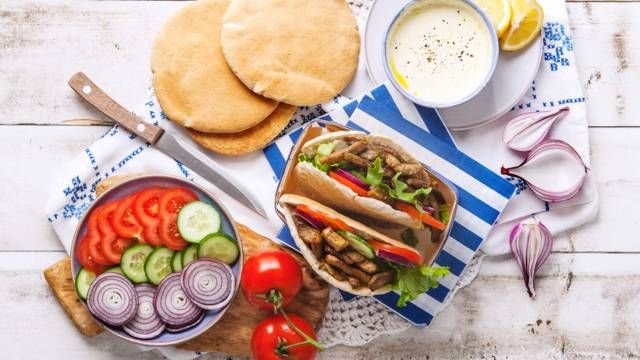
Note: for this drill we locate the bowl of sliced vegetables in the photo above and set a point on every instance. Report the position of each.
(156, 260)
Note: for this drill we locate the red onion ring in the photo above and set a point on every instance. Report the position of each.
(208, 283)
(355, 180)
(173, 305)
(310, 219)
(389, 256)
(112, 299)
(185, 327)
(146, 324)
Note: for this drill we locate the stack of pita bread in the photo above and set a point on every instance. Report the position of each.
(233, 71)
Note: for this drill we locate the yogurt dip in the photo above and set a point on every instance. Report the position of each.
(441, 52)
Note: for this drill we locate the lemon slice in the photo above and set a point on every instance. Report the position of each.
(526, 22)
(499, 11)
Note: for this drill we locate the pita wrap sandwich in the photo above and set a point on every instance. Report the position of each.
(353, 257)
(373, 176)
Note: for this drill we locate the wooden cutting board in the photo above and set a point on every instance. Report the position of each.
(232, 334)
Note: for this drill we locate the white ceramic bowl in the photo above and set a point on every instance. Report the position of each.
(495, 49)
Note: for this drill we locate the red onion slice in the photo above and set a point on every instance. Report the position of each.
(208, 283)
(172, 329)
(310, 219)
(354, 179)
(146, 324)
(531, 244)
(112, 299)
(526, 130)
(389, 256)
(553, 170)
(173, 305)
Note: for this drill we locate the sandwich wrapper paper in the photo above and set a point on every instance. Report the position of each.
(489, 204)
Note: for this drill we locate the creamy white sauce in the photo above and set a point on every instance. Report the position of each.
(440, 50)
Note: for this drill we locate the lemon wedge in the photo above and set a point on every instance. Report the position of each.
(499, 11)
(526, 22)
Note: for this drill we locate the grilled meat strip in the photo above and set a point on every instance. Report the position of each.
(349, 270)
(381, 279)
(340, 255)
(367, 266)
(355, 256)
(338, 155)
(369, 154)
(354, 282)
(309, 235)
(356, 160)
(334, 239)
(379, 194)
(337, 274)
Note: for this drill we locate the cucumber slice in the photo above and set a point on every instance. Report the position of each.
(83, 281)
(158, 264)
(219, 246)
(176, 262)
(116, 269)
(189, 254)
(197, 220)
(133, 260)
(358, 244)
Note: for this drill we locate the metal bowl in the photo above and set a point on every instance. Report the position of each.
(227, 225)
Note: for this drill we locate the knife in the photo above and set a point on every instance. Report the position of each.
(161, 140)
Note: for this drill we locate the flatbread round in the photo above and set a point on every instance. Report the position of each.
(249, 140)
(192, 80)
(301, 52)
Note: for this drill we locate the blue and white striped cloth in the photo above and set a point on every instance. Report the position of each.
(482, 193)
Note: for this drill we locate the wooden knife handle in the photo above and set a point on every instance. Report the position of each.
(82, 85)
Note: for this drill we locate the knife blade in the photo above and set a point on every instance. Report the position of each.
(162, 140)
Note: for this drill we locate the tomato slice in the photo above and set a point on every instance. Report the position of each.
(410, 254)
(169, 205)
(85, 259)
(146, 208)
(356, 189)
(169, 234)
(112, 245)
(334, 223)
(93, 239)
(124, 223)
(425, 217)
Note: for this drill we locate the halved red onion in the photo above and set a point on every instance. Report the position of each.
(389, 256)
(553, 170)
(526, 130)
(146, 324)
(310, 219)
(531, 244)
(354, 179)
(112, 299)
(172, 329)
(173, 305)
(208, 283)
(429, 209)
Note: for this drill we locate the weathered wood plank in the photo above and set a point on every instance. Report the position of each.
(586, 304)
(36, 154)
(44, 42)
(586, 308)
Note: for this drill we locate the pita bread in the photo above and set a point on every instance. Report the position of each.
(192, 80)
(287, 203)
(319, 186)
(300, 52)
(249, 140)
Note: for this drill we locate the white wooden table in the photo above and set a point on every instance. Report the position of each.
(589, 292)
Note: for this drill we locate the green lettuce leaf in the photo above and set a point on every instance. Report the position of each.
(374, 173)
(445, 213)
(412, 281)
(399, 193)
(323, 150)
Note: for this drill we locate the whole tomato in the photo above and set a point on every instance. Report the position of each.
(271, 338)
(271, 279)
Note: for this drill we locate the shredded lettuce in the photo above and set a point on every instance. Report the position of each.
(445, 213)
(412, 281)
(323, 150)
